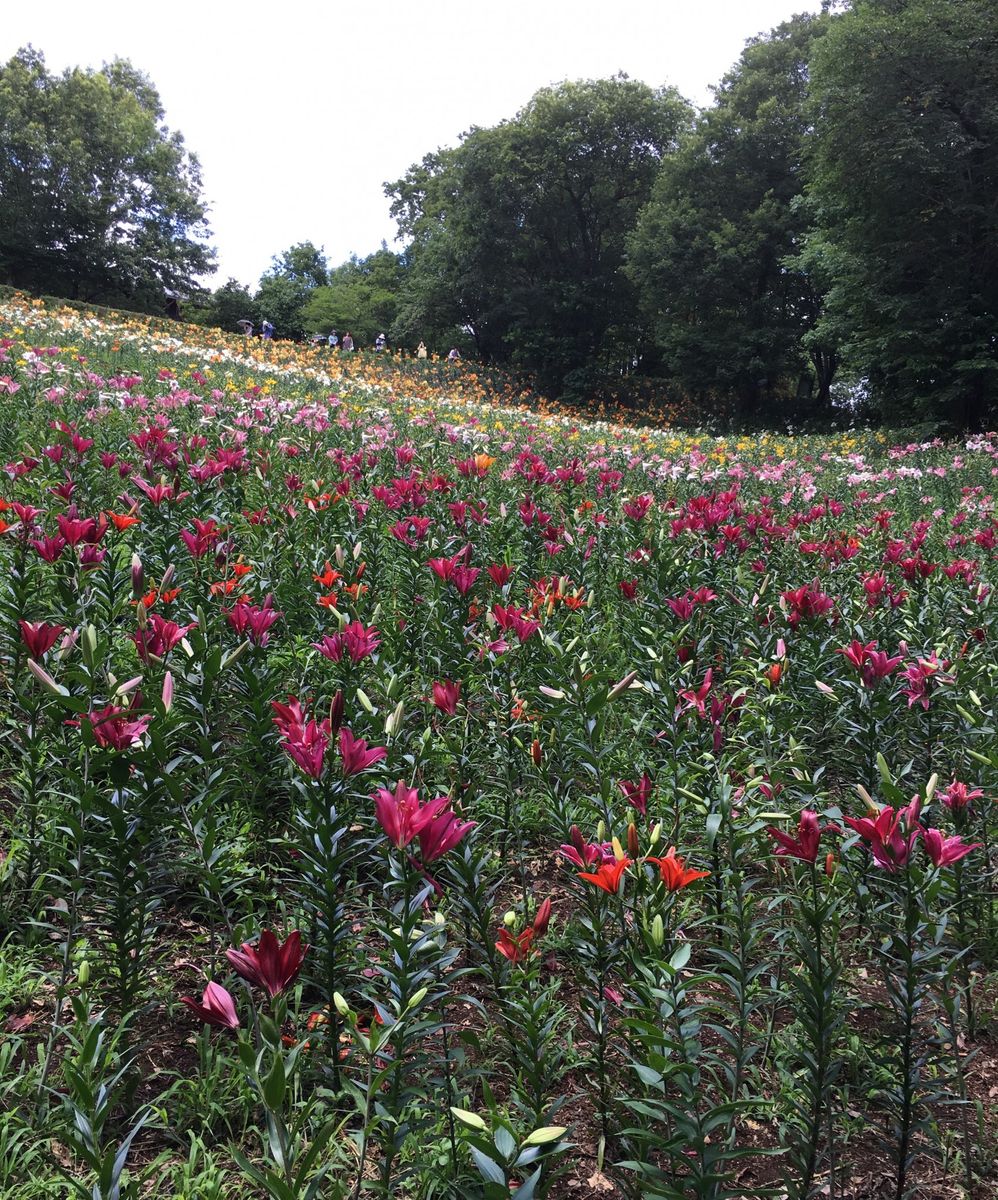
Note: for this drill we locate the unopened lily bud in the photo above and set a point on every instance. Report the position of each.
(930, 788)
(83, 973)
(633, 849)
(554, 693)
(45, 679)
(600, 831)
(543, 918)
(357, 550)
(341, 1005)
(168, 575)
(535, 752)
(394, 722)
(578, 841)
(656, 833)
(830, 865)
(509, 919)
(339, 555)
(418, 998)
(235, 655)
(67, 644)
(618, 849)
(167, 691)
(866, 798)
(619, 688)
(365, 702)
(658, 931)
(336, 712)
(138, 577)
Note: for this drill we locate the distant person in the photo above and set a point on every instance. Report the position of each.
(380, 342)
(334, 339)
(453, 356)
(173, 307)
(347, 342)
(421, 350)
(266, 330)
(246, 326)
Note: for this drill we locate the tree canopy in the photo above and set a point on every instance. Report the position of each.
(362, 296)
(518, 233)
(904, 180)
(713, 252)
(99, 200)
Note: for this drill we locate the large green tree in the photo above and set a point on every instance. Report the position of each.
(362, 296)
(518, 233)
(225, 307)
(904, 186)
(99, 200)
(715, 251)
(286, 287)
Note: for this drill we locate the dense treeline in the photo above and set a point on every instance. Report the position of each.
(823, 236)
(831, 216)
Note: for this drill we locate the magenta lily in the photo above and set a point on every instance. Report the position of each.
(216, 1007)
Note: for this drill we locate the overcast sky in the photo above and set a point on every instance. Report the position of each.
(299, 112)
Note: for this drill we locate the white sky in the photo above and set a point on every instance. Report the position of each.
(300, 111)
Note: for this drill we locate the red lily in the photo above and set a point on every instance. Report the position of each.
(890, 835)
(39, 638)
(446, 695)
(944, 851)
(697, 699)
(114, 730)
(440, 834)
(356, 756)
(608, 875)
(515, 947)
(674, 872)
(637, 794)
(805, 845)
(959, 796)
(402, 815)
(269, 964)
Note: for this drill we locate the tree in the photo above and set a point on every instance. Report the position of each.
(285, 289)
(225, 307)
(362, 296)
(99, 200)
(518, 233)
(904, 179)
(714, 254)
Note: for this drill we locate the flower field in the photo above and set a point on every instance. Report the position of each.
(406, 791)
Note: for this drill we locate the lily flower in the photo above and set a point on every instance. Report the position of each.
(216, 1007)
(269, 964)
(944, 851)
(608, 875)
(674, 872)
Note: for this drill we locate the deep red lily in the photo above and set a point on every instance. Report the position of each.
(805, 845)
(269, 964)
(39, 638)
